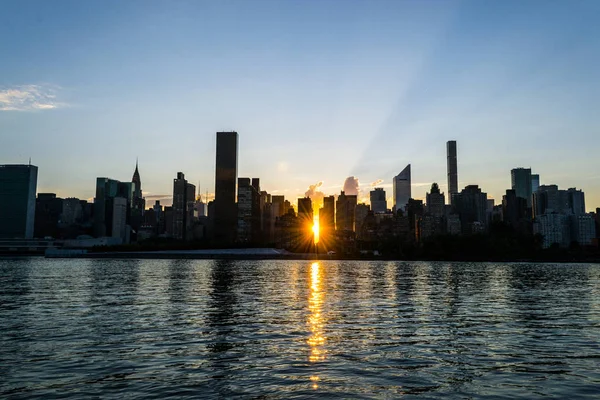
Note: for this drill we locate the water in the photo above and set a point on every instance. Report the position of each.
(283, 329)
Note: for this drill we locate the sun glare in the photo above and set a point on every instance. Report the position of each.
(315, 229)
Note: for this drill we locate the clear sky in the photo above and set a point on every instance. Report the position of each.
(318, 91)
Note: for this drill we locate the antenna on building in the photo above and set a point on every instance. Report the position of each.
(30, 161)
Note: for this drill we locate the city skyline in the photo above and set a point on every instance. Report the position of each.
(379, 86)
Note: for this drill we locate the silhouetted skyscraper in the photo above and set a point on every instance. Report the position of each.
(535, 182)
(345, 208)
(402, 189)
(112, 206)
(138, 204)
(435, 201)
(471, 205)
(248, 206)
(327, 220)
(378, 200)
(225, 217)
(452, 169)
(521, 183)
(306, 221)
(184, 196)
(18, 185)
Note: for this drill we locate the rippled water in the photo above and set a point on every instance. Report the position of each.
(281, 329)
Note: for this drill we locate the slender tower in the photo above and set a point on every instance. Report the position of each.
(225, 218)
(452, 170)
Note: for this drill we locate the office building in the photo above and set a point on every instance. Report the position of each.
(112, 206)
(583, 229)
(18, 185)
(471, 205)
(360, 214)
(576, 201)
(554, 228)
(225, 215)
(345, 208)
(248, 223)
(535, 182)
(402, 189)
(184, 196)
(435, 201)
(452, 169)
(521, 183)
(514, 209)
(278, 205)
(48, 212)
(378, 200)
(549, 199)
(327, 220)
(306, 222)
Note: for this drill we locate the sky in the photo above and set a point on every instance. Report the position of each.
(318, 91)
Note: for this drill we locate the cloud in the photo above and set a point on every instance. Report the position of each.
(29, 98)
(351, 186)
(316, 195)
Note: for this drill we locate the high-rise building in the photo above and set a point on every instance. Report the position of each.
(305, 222)
(138, 204)
(18, 184)
(184, 197)
(535, 182)
(248, 210)
(554, 228)
(435, 201)
(521, 183)
(48, 210)
(278, 206)
(378, 200)
(549, 199)
(514, 208)
(471, 205)
(327, 220)
(402, 189)
(344, 212)
(576, 199)
(360, 214)
(112, 206)
(452, 169)
(225, 218)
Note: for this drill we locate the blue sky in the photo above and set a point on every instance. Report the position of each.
(318, 91)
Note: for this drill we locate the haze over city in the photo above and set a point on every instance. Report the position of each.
(319, 92)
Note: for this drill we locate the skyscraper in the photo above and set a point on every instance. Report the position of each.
(452, 169)
(18, 184)
(327, 220)
(521, 183)
(248, 208)
(378, 200)
(184, 196)
(305, 222)
(535, 182)
(402, 190)
(225, 217)
(138, 204)
(345, 208)
(112, 206)
(471, 205)
(435, 201)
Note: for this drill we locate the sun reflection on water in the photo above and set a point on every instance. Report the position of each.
(316, 340)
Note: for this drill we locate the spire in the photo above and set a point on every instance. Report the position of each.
(136, 174)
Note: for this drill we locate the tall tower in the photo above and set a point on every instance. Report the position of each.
(225, 180)
(138, 204)
(452, 169)
(18, 185)
(520, 179)
(402, 190)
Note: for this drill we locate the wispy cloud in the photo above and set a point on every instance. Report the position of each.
(29, 98)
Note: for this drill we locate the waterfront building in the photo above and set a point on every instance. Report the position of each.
(554, 228)
(225, 212)
(452, 169)
(583, 229)
(48, 212)
(576, 201)
(514, 209)
(345, 208)
(138, 204)
(278, 204)
(402, 189)
(327, 221)
(184, 196)
(248, 223)
(305, 224)
(18, 184)
(112, 206)
(521, 183)
(549, 199)
(378, 201)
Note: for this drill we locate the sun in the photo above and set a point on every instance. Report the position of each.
(315, 229)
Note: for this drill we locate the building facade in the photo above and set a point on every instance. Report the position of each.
(520, 179)
(452, 169)
(378, 200)
(225, 212)
(402, 189)
(18, 185)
